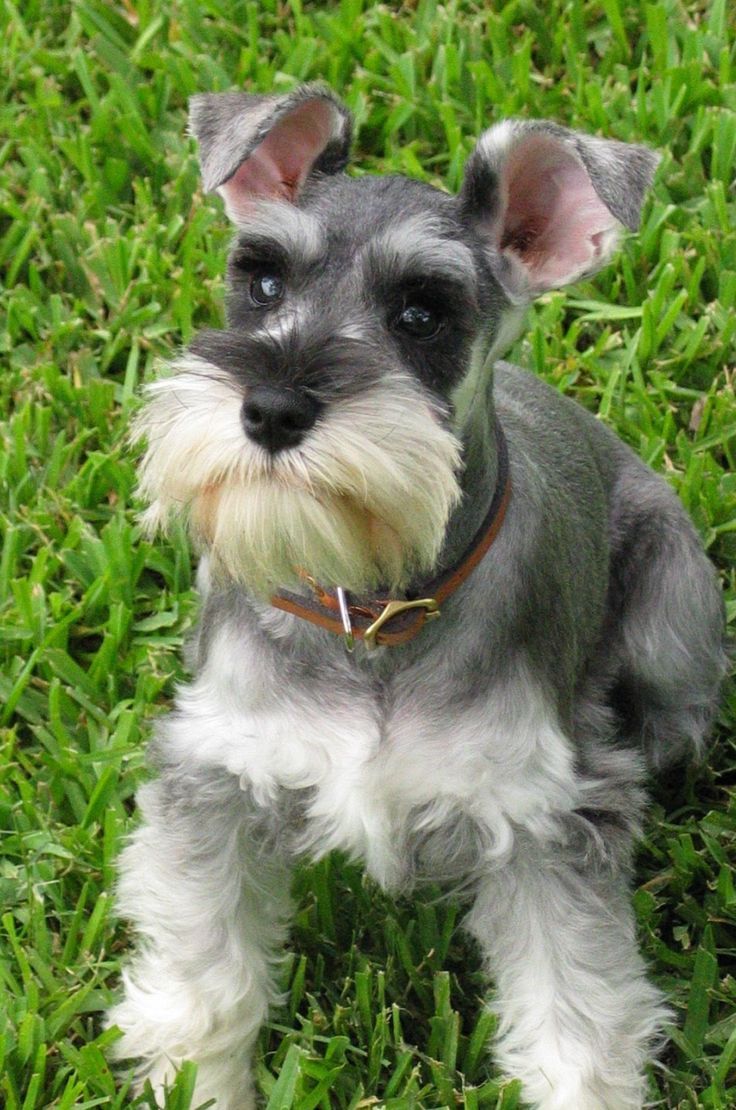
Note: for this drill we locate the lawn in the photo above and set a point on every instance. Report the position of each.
(111, 258)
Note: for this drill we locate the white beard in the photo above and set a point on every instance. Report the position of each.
(363, 501)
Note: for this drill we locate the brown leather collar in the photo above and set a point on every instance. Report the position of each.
(388, 622)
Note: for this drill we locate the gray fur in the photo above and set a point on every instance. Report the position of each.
(504, 750)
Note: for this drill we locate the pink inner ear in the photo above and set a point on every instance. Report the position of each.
(277, 168)
(555, 223)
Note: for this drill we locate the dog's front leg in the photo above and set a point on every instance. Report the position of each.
(210, 908)
(578, 1017)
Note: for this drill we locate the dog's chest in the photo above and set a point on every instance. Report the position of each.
(411, 778)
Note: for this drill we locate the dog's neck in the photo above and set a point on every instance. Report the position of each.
(478, 480)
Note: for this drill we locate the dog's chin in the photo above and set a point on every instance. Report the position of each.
(268, 535)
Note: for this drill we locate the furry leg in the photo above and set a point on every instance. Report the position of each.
(578, 1016)
(211, 914)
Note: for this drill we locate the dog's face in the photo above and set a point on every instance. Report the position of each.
(322, 432)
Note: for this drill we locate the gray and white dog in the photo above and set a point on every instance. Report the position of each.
(352, 460)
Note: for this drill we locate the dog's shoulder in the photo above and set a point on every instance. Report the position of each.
(568, 441)
(523, 399)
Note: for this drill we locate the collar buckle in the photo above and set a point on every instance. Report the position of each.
(393, 609)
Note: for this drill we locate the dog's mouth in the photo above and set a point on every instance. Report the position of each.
(274, 534)
(354, 505)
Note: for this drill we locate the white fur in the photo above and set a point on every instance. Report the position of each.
(298, 232)
(578, 1012)
(504, 761)
(417, 243)
(211, 931)
(353, 505)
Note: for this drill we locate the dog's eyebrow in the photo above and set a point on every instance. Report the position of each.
(421, 246)
(293, 233)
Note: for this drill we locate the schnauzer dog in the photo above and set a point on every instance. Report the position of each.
(449, 621)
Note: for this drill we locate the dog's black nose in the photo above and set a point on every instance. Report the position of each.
(278, 418)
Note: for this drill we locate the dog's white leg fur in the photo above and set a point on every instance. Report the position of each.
(578, 1016)
(211, 924)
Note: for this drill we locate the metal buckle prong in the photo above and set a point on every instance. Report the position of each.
(392, 609)
(347, 624)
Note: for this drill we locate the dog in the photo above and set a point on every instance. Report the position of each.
(449, 621)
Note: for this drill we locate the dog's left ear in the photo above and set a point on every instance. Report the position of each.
(265, 147)
(551, 202)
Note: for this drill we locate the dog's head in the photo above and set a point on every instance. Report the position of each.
(322, 431)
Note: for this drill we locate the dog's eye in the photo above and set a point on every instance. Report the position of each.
(418, 321)
(266, 289)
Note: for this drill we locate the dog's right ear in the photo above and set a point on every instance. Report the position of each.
(265, 147)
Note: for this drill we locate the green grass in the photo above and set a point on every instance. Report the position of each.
(111, 257)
